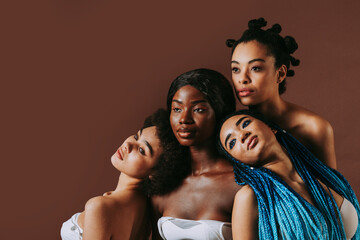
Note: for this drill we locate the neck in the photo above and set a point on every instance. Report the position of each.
(280, 163)
(127, 183)
(203, 157)
(272, 108)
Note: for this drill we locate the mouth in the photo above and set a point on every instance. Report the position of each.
(252, 142)
(119, 154)
(244, 92)
(186, 133)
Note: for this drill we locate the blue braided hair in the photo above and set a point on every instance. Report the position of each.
(283, 213)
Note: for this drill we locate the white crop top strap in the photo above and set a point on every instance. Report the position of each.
(176, 228)
(71, 230)
(349, 217)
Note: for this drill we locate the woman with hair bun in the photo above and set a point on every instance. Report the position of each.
(260, 65)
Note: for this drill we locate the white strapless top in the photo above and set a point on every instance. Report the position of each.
(176, 228)
(349, 217)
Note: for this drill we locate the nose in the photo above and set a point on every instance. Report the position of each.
(186, 117)
(243, 77)
(127, 147)
(244, 136)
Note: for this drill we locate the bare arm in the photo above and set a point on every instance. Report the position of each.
(245, 215)
(97, 220)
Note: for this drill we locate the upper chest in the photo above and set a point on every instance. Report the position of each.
(202, 197)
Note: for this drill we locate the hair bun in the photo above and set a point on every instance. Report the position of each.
(290, 44)
(276, 28)
(290, 73)
(230, 43)
(294, 61)
(257, 23)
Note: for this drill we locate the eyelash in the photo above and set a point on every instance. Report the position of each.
(199, 110)
(256, 68)
(235, 69)
(232, 143)
(245, 123)
(141, 150)
(175, 109)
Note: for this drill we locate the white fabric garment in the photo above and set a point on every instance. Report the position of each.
(349, 217)
(176, 228)
(71, 230)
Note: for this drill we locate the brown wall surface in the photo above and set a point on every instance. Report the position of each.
(78, 76)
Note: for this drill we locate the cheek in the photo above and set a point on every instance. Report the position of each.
(137, 167)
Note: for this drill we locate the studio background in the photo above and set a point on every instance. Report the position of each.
(78, 77)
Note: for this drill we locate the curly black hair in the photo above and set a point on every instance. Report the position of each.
(278, 47)
(173, 164)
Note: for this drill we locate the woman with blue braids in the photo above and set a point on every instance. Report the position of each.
(288, 192)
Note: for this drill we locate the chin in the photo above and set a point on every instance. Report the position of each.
(114, 162)
(186, 142)
(246, 102)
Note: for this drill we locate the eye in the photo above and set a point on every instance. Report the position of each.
(232, 143)
(175, 109)
(246, 123)
(235, 69)
(199, 110)
(136, 137)
(256, 68)
(142, 151)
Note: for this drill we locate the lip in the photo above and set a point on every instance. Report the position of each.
(119, 154)
(252, 142)
(186, 133)
(244, 92)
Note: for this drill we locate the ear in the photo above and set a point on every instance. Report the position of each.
(281, 73)
(274, 131)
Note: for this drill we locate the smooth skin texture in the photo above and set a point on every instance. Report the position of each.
(208, 193)
(124, 212)
(256, 81)
(252, 142)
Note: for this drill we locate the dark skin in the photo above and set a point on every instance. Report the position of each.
(208, 193)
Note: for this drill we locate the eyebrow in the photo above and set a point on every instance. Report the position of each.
(193, 102)
(226, 139)
(149, 146)
(147, 143)
(251, 61)
(236, 124)
(239, 121)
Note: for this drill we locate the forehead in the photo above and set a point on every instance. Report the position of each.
(187, 92)
(251, 50)
(230, 124)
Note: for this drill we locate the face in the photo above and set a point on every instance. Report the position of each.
(247, 139)
(192, 118)
(138, 154)
(254, 75)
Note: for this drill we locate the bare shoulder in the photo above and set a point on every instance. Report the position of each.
(312, 130)
(102, 207)
(245, 195)
(308, 122)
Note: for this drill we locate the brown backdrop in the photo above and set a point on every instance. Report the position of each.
(78, 76)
